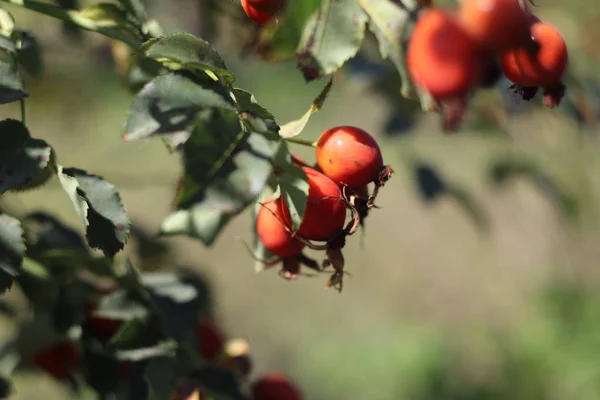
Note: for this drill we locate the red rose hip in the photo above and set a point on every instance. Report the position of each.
(271, 222)
(349, 155)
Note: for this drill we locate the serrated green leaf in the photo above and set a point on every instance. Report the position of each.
(12, 248)
(7, 22)
(22, 158)
(279, 40)
(391, 23)
(29, 53)
(190, 52)
(246, 102)
(218, 383)
(332, 36)
(294, 128)
(11, 83)
(169, 105)
(99, 207)
(226, 168)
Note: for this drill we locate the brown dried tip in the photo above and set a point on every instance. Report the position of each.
(384, 175)
(553, 94)
(335, 258)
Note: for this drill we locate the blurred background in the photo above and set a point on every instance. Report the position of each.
(484, 292)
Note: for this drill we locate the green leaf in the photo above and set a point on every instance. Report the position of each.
(121, 306)
(246, 102)
(29, 53)
(169, 105)
(11, 83)
(12, 248)
(163, 375)
(190, 52)
(226, 168)
(279, 40)
(391, 23)
(332, 36)
(107, 15)
(135, 8)
(138, 333)
(7, 22)
(22, 158)
(293, 185)
(294, 128)
(162, 349)
(99, 207)
(176, 301)
(7, 44)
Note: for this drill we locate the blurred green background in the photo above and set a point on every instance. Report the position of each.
(435, 308)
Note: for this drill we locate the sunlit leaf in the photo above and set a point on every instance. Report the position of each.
(99, 207)
(294, 128)
(190, 52)
(332, 36)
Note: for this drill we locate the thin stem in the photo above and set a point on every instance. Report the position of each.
(76, 18)
(302, 142)
(22, 103)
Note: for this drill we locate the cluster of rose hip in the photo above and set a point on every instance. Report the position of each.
(449, 55)
(63, 359)
(348, 159)
(262, 11)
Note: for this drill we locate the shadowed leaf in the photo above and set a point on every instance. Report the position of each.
(12, 248)
(332, 36)
(29, 53)
(22, 158)
(178, 302)
(169, 105)
(279, 41)
(190, 52)
(293, 186)
(226, 167)
(99, 207)
(218, 383)
(390, 22)
(294, 128)
(11, 83)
